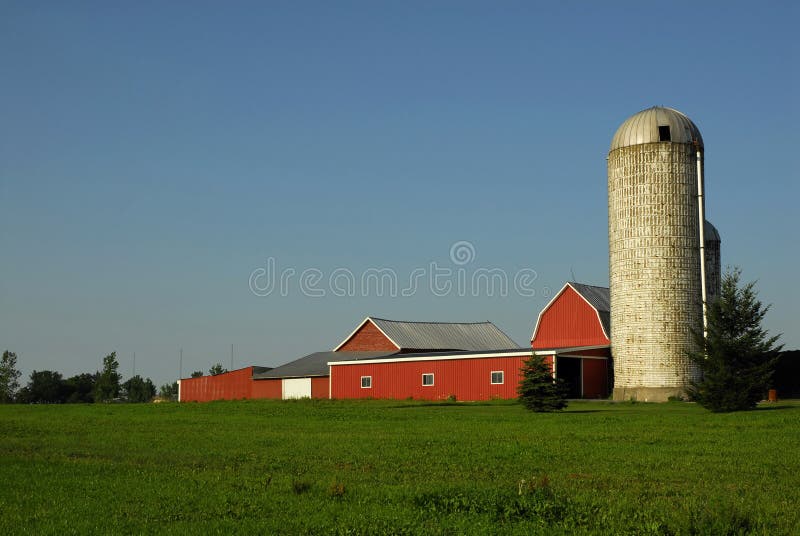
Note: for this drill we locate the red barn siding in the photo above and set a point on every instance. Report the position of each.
(228, 386)
(271, 388)
(319, 387)
(569, 321)
(467, 379)
(595, 378)
(368, 338)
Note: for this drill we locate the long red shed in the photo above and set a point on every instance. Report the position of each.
(231, 385)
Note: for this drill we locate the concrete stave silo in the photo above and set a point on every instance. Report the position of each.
(655, 254)
(713, 262)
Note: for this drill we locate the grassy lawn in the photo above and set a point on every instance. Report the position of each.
(398, 467)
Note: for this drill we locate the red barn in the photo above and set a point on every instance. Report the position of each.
(432, 360)
(576, 323)
(571, 332)
(378, 338)
(480, 375)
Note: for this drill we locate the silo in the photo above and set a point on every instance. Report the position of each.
(713, 262)
(654, 253)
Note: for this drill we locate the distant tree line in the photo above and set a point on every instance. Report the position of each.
(50, 387)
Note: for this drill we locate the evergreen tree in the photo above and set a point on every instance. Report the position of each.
(217, 369)
(739, 358)
(9, 377)
(197, 374)
(537, 390)
(106, 387)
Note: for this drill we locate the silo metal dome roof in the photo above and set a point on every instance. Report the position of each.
(710, 232)
(643, 127)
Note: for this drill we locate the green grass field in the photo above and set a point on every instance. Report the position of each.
(372, 467)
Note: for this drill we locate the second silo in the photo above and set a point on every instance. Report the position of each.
(654, 253)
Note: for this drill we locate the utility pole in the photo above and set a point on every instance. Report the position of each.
(180, 365)
(231, 357)
(134, 364)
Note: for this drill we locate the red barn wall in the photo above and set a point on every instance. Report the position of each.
(368, 338)
(319, 387)
(467, 379)
(271, 388)
(569, 321)
(228, 386)
(595, 378)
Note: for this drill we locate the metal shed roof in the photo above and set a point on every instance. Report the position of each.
(315, 364)
(409, 336)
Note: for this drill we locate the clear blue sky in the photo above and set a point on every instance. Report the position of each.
(154, 154)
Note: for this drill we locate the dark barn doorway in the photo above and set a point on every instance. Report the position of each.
(568, 369)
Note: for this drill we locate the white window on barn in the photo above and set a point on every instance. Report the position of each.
(366, 382)
(497, 377)
(427, 379)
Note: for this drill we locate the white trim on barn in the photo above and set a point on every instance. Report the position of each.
(361, 325)
(476, 355)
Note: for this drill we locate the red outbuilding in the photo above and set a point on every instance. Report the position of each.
(231, 385)
(576, 323)
(479, 375)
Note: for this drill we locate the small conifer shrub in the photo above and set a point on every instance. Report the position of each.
(538, 390)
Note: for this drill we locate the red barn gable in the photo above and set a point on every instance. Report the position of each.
(578, 315)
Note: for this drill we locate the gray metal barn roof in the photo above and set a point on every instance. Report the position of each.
(411, 355)
(315, 364)
(599, 298)
(444, 335)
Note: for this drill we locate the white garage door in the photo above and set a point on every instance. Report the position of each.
(296, 388)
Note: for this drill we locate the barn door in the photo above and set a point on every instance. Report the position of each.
(568, 369)
(296, 388)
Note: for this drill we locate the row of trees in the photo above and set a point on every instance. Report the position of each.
(50, 387)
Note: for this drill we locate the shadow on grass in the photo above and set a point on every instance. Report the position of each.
(498, 404)
(773, 407)
(413, 405)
